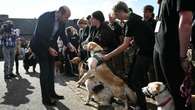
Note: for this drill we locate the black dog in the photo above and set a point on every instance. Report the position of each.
(29, 60)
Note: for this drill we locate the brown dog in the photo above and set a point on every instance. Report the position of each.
(104, 74)
(95, 88)
(81, 65)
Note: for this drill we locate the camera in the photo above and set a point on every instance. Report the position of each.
(7, 27)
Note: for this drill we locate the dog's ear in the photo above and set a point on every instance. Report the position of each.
(75, 60)
(72, 61)
(154, 87)
(158, 87)
(91, 46)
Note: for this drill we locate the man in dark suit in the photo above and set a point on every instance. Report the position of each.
(44, 44)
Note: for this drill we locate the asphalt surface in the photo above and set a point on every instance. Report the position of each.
(23, 93)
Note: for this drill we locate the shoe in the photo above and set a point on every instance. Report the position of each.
(49, 103)
(34, 71)
(12, 75)
(57, 97)
(18, 73)
(27, 71)
(7, 77)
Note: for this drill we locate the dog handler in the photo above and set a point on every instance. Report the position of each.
(143, 36)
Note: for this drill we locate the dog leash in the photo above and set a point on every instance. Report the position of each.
(165, 102)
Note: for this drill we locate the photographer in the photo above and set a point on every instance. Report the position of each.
(8, 44)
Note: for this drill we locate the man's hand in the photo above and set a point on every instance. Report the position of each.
(72, 48)
(185, 27)
(65, 48)
(119, 49)
(84, 43)
(186, 65)
(52, 52)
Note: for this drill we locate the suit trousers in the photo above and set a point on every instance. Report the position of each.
(47, 77)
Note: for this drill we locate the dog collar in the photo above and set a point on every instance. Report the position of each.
(154, 95)
(165, 102)
(161, 91)
(99, 59)
(99, 51)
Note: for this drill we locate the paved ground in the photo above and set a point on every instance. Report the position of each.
(24, 93)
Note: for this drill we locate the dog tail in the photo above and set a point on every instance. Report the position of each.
(131, 94)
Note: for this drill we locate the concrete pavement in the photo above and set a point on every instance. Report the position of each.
(24, 93)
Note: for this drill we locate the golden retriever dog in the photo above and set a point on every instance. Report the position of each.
(96, 90)
(160, 93)
(102, 72)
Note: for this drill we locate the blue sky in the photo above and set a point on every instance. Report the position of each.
(79, 8)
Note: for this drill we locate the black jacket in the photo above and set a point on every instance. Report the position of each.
(42, 37)
(106, 38)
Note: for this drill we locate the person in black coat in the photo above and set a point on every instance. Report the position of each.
(139, 32)
(44, 44)
(172, 38)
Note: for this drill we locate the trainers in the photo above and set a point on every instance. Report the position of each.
(49, 103)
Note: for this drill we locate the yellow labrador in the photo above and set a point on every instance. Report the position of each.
(95, 88)
(104, 74)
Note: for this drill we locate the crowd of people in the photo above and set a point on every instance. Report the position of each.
(143, 49)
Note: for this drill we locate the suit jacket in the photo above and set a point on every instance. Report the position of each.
(42, 37)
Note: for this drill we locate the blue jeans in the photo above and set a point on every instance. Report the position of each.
(9, 57)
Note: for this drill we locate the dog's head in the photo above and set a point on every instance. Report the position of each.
(82, 66)
(92, 46)
(153, 89)
(75, 60)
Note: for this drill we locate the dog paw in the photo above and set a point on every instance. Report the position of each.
(78, 84)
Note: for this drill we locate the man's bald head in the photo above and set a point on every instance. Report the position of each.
(64, 9)
(63, 13)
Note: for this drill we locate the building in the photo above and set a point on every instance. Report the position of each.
(27, 26)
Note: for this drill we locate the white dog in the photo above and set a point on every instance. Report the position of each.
(160, 93)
